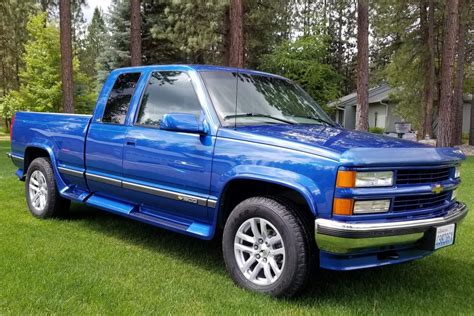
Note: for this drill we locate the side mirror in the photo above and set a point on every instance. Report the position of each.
(182, 122)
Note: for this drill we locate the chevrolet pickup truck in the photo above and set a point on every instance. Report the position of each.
(207, 150)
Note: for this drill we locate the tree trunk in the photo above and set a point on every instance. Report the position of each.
(135, 34)
(471, 121)
(427, 23)
(458, 102)
(226, 32)
(66, 55)
(236, 34)
(362, 111)
(447, 124)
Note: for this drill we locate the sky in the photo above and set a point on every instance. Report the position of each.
(89, 10)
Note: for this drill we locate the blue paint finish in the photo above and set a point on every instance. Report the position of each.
(175, 177)
(353, 262)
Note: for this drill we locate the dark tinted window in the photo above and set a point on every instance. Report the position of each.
(119, 98)
(167, 92)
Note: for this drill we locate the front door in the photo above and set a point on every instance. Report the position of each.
(168, 171)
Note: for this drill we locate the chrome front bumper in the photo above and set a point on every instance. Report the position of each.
(351, 237)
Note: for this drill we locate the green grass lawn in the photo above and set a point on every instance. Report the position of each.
(93, 262)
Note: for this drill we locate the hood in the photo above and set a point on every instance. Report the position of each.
(332, 138)
(348, 146)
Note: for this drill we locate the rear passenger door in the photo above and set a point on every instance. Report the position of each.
(168, 171)
(105, 139)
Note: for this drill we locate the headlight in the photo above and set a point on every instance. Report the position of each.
(457, 172)
(364, 179)
(374, 179)
(374, 206)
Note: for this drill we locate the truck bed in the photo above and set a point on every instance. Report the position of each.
(64, 134)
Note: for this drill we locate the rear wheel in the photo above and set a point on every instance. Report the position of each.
(42, 196)
(265, 247)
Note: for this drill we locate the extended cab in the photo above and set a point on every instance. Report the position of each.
(202, 149)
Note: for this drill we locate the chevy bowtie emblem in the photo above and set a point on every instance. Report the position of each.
(437, 189)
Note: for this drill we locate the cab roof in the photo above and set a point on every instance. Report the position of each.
(199, 68)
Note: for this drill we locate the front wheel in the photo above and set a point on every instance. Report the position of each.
(266, 248)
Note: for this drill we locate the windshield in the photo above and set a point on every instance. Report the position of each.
(260, 100)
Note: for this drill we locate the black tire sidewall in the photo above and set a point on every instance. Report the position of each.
(44, 166)
(245, 211)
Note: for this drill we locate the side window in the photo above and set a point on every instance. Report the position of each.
(119, 98)
(167, 92)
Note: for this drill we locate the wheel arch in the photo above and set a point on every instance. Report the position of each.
(240, 188)
(33, 151)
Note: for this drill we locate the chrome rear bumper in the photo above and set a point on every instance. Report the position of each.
(347, 237)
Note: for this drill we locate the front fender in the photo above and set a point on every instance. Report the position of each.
(292, 180)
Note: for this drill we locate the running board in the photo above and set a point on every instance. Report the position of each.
(110, 205)
(179, 225)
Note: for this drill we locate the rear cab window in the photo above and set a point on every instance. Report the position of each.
(116, 109)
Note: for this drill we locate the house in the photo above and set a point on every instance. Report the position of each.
(382, 112)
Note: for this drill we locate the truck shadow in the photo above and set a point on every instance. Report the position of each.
(416, 285)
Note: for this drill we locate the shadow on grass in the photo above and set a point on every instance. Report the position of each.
(424, 281)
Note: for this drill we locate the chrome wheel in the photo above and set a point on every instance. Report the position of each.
(38, 190)
(259, 251)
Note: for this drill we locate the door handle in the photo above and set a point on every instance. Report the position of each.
(130, 142)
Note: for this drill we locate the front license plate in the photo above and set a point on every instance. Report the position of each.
(444, 236)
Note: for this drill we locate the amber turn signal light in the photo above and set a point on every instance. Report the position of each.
(345, 179)
(342, 206)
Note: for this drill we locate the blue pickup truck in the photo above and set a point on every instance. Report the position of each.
(207, 151)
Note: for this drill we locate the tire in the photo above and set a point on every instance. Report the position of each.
(287, 253)
(42, 196)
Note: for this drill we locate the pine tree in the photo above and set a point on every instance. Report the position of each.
(93, 46)
(66, 55)
(447, 124)
(362, 110)
(236, 52)
(135, 34)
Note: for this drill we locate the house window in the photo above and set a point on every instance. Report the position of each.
(376, 117)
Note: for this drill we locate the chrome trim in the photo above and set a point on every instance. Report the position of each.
(71, 172)
(152, 190)
(15, 158)
(165, 193)
(103, 179)
(211, 203)
(345, 237)
(341, 245)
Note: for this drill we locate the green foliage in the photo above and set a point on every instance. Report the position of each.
(302, 61)
(376, 130)
(195, 27)
(94, 44)
(405, 73)
(40, 88)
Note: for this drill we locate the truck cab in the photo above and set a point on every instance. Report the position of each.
(207, 150)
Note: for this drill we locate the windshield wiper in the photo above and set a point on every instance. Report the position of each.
(257, 115)
(316, 119)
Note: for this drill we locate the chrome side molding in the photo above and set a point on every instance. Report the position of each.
(71, 172)
(209, 202)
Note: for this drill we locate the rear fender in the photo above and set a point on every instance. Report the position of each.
(52, 157)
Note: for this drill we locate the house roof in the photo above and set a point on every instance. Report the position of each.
(376, 94)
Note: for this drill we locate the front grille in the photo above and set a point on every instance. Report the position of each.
(414, 202)
(419, 176)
